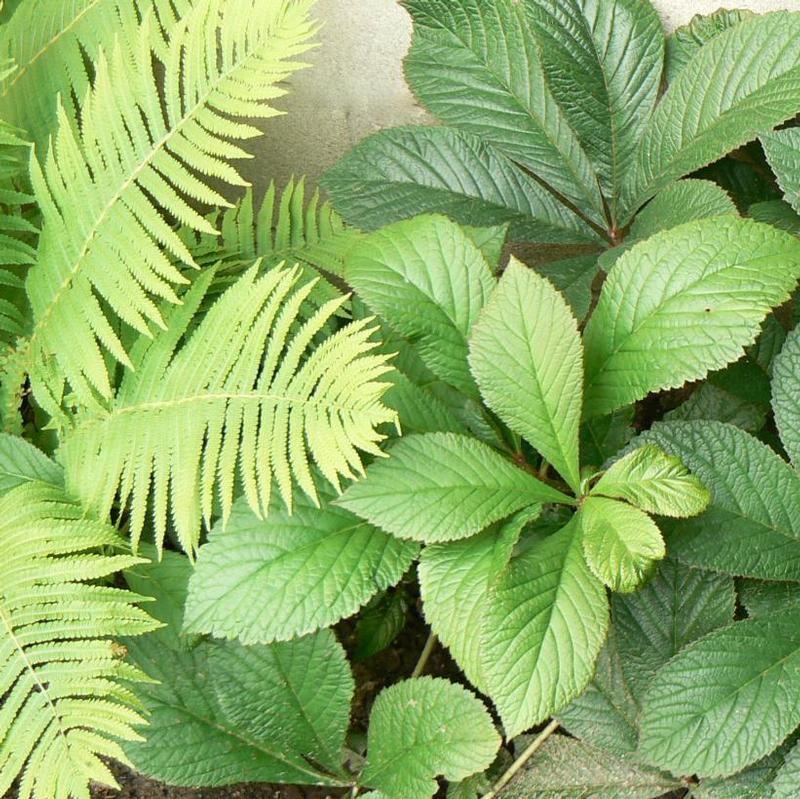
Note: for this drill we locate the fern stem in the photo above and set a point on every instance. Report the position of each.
(424, 655)
(512, 770)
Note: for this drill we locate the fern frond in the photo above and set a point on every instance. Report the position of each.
(63, 682)
(106, 251)
(51, 42)
(250, 396)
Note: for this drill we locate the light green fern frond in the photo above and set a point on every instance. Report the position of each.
(63, 682)
(250, 397)
(106, 251)
(51, 42)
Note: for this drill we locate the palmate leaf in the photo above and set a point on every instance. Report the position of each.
(783, 153)
(752, 527)
(424, 727)
(743, 679)
(250, 395)
(543, 629)
(443, 487)
(603, 61)
(477, 66)
(66, 702)
(786, 395)
(718, 102)
(683, 303)
(787, 780)
(221, 713)
(399, 173)
(527, 358)
(289, 574)
(106, 250)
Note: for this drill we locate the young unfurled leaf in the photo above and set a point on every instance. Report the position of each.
(542, 631)
(682, 303)
(289, 574)
(786, 395)
(752, 527)
(526, 356)
(424, 727)
(655, 482)
(743, 680)
(428, 280)
(620, 542)
(719, 102)
(783, 153)
(442, 487)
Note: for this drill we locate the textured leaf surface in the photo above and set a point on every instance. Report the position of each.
(681, 202)
(620, 542)
(604, 715)
(223, 713)
(455, 579)
(290, 573)
(442, 487)
(782, 148)
(787, 781)
(573, 277)
(429, 281)
(602, 437)
(476, 66)
(655, 482)
(543, 630)
(743, 679)
(568, 769)
(421, 728)
(752, 526)
(764, 597)
(754, 782)
(399, 173)
(603, 64)
(786, 395)
(380, 623)
(711, 402)
(677, 606)
(526, 356)
(21, 462)
(683, 303)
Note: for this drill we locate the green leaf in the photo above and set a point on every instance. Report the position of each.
(490, 241)
(782, 148)
(684, 43)
(574, 278)
(603, 63)
(754, 782)
(21, 462)
(442, 487)
(291, 573)
(764, 597)
(477, 66)
(428, 280)
(719, 102)
(777, 213)
(604, 715)
(787, 781)
(399, 173)
(677, 606)
(655, 482)
(454, 582)
(418, 409)
(526, 356)
(786, 395)
(681, 202)
(602, 437)
(424, 727)
(543, 629)
(752, 526)
(742, 680)
(620, 542)
(682, 303)
(222, 713)
(565, 768)
(380, 623)
(711, 402)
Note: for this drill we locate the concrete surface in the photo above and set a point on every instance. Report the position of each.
(356, 86)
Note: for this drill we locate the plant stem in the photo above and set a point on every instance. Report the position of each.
(356, 790)
(512, 770)
(543, 469)
(425, 654)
